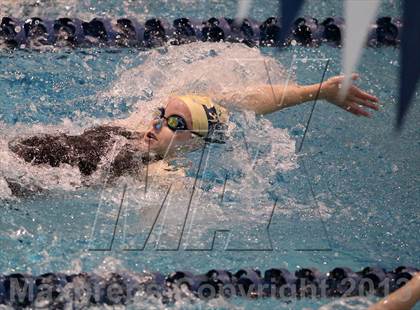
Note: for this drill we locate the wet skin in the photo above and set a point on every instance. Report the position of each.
(164, 140)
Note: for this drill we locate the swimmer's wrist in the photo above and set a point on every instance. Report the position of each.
(310, 92)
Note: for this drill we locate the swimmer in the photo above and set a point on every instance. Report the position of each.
(182, 121)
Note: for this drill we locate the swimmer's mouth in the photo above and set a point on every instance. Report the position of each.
(151, 136)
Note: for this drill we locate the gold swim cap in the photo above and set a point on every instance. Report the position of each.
(206, 114)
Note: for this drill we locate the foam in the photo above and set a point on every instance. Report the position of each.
(200, 67)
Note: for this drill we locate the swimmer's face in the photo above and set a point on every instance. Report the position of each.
(164, 140)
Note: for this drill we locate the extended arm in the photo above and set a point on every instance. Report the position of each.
(266, 99)
(403, 299)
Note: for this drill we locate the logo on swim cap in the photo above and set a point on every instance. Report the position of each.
(206, 115)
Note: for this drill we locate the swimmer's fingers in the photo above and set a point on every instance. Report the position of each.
(362, 94)
(355, 100)
(355, 109)
(363, 101)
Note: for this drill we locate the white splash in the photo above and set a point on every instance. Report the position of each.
(243, 9)
(199, 67)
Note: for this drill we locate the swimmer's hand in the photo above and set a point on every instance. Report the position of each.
(402, 299)
(356, 100)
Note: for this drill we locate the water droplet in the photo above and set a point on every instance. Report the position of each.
(394, 168)
(212, 53)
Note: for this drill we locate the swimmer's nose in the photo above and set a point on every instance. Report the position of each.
(157, 124)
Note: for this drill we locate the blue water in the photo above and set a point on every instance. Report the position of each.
(351, 198)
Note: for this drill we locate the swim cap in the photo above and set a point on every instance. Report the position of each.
(206, 115)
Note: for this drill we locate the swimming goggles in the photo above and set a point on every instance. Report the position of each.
(174, 122)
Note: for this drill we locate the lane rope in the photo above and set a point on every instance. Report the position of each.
(154, 32)
(57, 290)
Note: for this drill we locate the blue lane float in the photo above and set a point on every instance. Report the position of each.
(154, 32)
(59, 290)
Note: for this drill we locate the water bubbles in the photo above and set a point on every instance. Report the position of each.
(19, 76)
(20, 233)
(18, 29)
(187, 59)
(394, 168)
(148, 93)
(32, 107)
(126, 60)
(181, 68)
(4, 189)
(212, 53)
(293, 43)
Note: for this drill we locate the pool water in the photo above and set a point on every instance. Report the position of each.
(349, 197)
